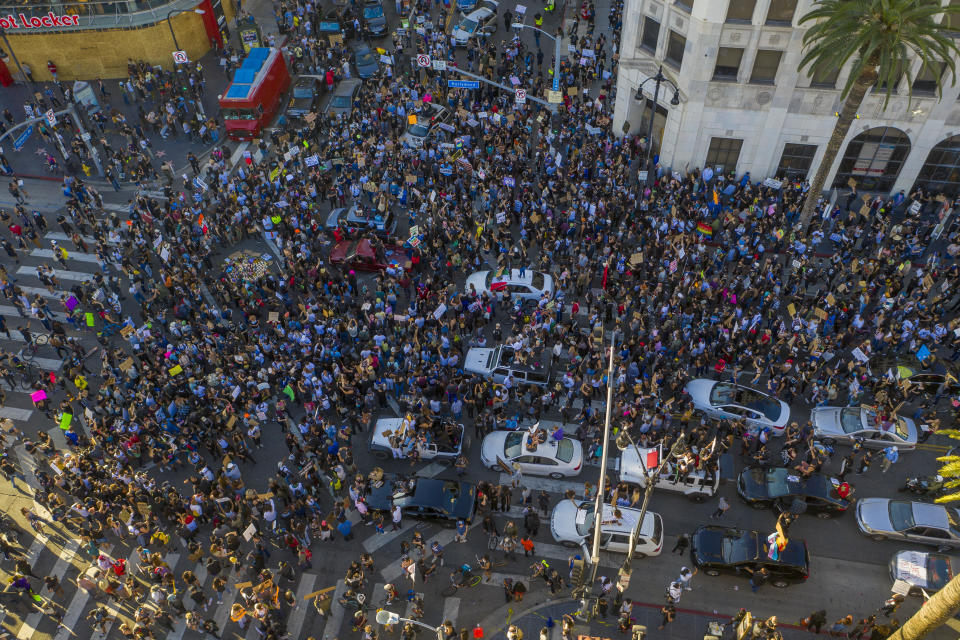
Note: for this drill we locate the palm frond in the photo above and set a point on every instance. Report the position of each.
(950, 470)
(951, 497)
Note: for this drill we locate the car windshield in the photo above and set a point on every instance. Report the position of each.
(738, 549)
(582, 521)
(850, 420)
(239, 114)
(302, 92)
(901, 515)
(468, 25)
(372, 12)
(565, 450)
(723, 393)
(417, 130)
(939, 570)
(513, 444)
(953, 517)
(778, 482)
(538, 280)
(341, 102)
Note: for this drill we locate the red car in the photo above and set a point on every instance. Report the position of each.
(359, 255)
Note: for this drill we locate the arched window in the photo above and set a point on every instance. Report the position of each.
(874, 159)
(941, 171)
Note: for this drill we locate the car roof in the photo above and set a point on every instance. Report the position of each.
(347, 87)
(479, 14)
(930, 515)
(628, 518)
(514, 277)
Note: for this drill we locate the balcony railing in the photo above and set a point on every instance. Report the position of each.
(98, 14)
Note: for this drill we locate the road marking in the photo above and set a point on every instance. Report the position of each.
(451, 610)
(393, 571)
(335, 619)
(545, 484)
(62, 237)
(43, 292)
(47, 364)
(11, 312)
(408, 612)
(79, 256)
(16, 414)
(62, 274)
(28, 465)
(299, 614)
(122, 208)
(378, 540)
(65, 558)
(431, 470)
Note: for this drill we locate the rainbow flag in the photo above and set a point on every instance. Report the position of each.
(705, 229)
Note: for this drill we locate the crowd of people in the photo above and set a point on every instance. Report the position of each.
(703, 275)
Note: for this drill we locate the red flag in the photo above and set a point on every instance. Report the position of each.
(605, 268)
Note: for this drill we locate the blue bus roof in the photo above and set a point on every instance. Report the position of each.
(249, 74)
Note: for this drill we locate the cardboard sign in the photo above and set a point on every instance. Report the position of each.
(820, 313)
(831, 300)
(572, 91)
(791, 309)
(232, 421)
(247, 535)
(273, 316)
(127, 331)
(126, 364)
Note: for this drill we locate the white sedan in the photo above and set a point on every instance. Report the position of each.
(724, 400)
(501, 450)
(572, 525)
(531, 285)
(851, 424)
(481, 21)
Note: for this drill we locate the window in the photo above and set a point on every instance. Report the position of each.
(874, 159)
(765, 66)
(882, 82)
(651, 34)
(795, 164)
(928, 78)
(723, 155)
(686, 5)
(675, 46)
(781, 12)
(824, 77)
(941, 171)
(741, 10)
(728, 63)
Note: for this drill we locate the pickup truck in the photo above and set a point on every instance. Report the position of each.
(303, 97)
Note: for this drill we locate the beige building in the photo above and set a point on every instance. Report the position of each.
(746, 106)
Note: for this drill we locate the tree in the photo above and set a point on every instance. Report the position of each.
(950, 471)
(932, 614)
(882, 37)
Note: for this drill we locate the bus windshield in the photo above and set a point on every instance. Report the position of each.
(239, 114)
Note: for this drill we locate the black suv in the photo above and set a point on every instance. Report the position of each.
(715, 550)
(765, 487)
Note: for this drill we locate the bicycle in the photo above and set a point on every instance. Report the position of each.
(466, 580)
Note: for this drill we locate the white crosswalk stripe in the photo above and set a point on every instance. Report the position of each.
(546, 484)
(62, 274)
(64, 559)
(16, 414)
(299, 615)
(332, 628)
(77, 256)
(11, 312)
(451, 610)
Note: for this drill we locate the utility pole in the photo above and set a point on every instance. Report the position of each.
(598, 504)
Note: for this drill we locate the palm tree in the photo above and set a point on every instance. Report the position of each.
(932, 614)
(881, 37)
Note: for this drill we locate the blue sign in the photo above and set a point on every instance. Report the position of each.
(22, 138)
(463, 84)
(328, 27)
(556, 83)
(923, 353)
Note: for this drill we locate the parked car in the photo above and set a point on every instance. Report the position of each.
(357, 220)
(572, 525)
(444, 501)
(499, 362)
(923, 571)
(342, 96)
(920, 522)
(374, 22)
(480, 21)
(303, 97)
(847, 425)
(529, 286)
(763, 487)
(501, 450)
(698, 485)
(715, 550)
(932, 377)
(426, 126)
(365, 60)
(446, 445)
(733, 401)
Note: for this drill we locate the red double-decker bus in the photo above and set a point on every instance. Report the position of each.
(256, 93)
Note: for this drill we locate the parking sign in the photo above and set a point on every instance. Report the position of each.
(423, 60)
(180, 57)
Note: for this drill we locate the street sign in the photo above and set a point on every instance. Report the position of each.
(423, 60)
(51, 118)
(521, 96)
(439, 65)
(22, 138)
(556, 83)
(554, 97)
(463, 84)
(180, 57)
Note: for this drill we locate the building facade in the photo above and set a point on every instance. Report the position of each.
(95, 39)
(745, 105)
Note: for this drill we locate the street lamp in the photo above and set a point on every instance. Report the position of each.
(556, 56)
(658, 79)
(387, 617)
(174, 12)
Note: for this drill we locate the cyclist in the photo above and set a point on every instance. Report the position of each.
(459, 577)
(486, 565)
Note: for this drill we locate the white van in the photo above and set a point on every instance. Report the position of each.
(572, 525)
(697, 485)
(498, 362)
(440, 450)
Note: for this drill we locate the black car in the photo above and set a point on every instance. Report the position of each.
(764, 487)
(715, 550)
(445, 501)
(374, 21)
(931, 377)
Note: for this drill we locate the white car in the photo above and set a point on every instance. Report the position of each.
(500, 450)
(417, 134)
(572, 525)
(725, 400)
(851, 424)
(636, 464)
(479, 21)
(442, 448)
(923, 571)
(530, 286)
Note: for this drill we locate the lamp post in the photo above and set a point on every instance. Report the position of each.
(387, 617)
(552, 107)
(658, 79)
(174, 12)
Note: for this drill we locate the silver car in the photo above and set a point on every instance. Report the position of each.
(930, 524)
(849, 424)
(725, 400)
(341, 102)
